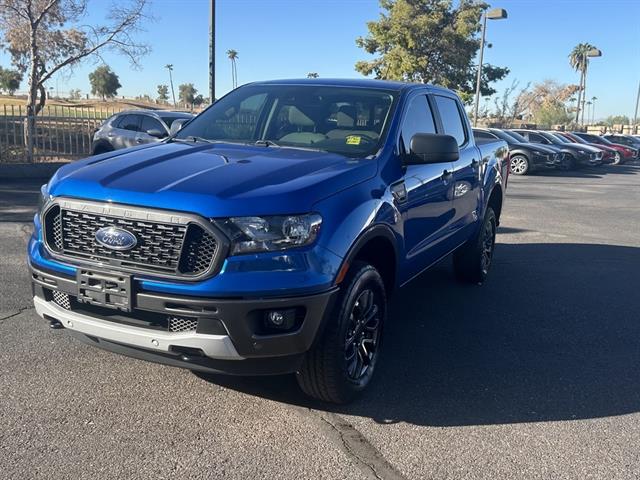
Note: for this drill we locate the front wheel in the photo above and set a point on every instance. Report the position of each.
(617, 158)
(342, 362)
(519, 165)
(471, 262)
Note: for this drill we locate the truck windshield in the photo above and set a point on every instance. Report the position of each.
(343, 120)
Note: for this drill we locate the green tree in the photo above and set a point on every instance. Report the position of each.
(612, 120)
(104, 82)
(579, 61)
(233, 56)
(313, 75)
(163, 93)
(187, 94)
(428, 41)
(10, 80)
(75, 94)
(552, 113)
(45, 36)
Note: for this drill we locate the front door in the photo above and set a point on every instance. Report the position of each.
(427, 208)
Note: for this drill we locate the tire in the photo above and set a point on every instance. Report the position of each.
(571, 163)
(336, 368)
(617, 158)
(472, 261)
(519, 165)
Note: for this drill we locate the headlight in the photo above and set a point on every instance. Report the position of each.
(268, 234)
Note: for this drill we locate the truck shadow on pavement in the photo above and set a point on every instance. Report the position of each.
(554, 334)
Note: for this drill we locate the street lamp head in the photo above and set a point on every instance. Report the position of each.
(594, 52)
(496, 14)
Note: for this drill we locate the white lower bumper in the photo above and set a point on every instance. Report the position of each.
(213, 346)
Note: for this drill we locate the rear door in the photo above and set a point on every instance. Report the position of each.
(466, 176)
(127, 129)
(426, 206)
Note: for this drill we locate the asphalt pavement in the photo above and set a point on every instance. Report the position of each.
(534, 375)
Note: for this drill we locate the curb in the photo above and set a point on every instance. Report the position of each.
(29, 171)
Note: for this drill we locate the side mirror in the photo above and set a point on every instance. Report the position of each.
(154, 132)
(177, 124)
(433, 148)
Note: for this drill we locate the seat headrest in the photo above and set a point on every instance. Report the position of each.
(346, 116)
(299, 119)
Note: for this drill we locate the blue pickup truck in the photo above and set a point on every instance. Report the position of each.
(266, 236)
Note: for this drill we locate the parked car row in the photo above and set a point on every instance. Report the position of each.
(532, 150)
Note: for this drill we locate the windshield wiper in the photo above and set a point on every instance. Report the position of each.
(192, 139)
(266, 143)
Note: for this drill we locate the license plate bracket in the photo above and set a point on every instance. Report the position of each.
(104, 289)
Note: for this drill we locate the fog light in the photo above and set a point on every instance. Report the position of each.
(280, 319)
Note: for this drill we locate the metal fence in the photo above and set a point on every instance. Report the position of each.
(62, 133)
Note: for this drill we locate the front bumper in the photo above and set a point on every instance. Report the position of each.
(230, 336)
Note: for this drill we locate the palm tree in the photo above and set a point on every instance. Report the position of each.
(588, 106)
(593, 109)
(579, 61)
(233, 56)
(169, 66)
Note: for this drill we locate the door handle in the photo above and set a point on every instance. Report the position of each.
(446, 176)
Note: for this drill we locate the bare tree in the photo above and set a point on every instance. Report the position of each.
(45, 36)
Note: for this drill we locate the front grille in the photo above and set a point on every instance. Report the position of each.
(163, 247)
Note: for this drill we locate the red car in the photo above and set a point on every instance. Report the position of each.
(626, 153)
(609, 155)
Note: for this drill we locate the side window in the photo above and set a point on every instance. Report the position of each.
(150, 123)
(417, 119)
(535, 138)
(130, 122)
(483, 135)
(451, 120)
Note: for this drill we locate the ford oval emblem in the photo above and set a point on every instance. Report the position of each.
(116, 238)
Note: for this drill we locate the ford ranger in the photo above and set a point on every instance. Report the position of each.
(266, 236)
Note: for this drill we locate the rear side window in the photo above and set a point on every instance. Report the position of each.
(535, 138)
(484, 135)
(150, 123)
(128, 122)
(451, 118)
(417, 119)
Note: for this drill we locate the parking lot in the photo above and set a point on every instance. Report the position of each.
(533, 375)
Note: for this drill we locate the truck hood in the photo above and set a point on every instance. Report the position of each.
(213, 180)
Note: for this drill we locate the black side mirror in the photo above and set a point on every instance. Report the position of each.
(154, 132)
(433, 148)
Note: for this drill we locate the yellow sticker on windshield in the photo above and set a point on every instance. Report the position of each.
(353, 139)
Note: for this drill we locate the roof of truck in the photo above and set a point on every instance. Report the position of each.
(353, 82)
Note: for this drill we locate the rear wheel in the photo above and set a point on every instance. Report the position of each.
(342, 362)
(519, 165)
(472, 261)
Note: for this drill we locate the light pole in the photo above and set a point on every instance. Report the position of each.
(495, 14)
(635, 115)
(169, 67)
(594, 52)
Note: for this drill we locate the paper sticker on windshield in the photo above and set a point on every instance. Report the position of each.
(353, 139)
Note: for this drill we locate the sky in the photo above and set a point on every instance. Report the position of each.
(289, 38)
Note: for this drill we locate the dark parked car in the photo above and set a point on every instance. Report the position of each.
(524, 157)
(134, 127)
(578, 155)
(609, 155)
(627, 153)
